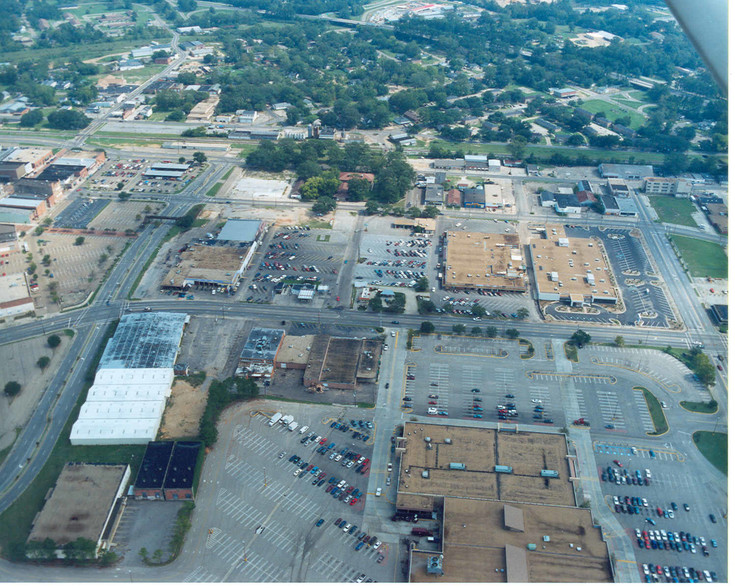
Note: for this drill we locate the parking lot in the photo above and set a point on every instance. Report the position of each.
(672, 485)
(79, 213)
(294, 257)
(126, 175)
(387, 260)
(646, 302)
(257, 511)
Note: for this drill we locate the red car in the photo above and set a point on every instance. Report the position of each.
(350, 489)
(323, 441)
(659, 570)
(719, 367)
(432, 401)
(353, 501)
(337, 298)
(309, 468)
(617, 463)
(366, 462)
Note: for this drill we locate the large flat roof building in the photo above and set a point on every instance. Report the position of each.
(211, 266)
(82, 504)
(242, 230)
(15, 295)
(505, 504)
(258, 355)
(572, 270)
(625, 171)
(484, 260)
(145, 340)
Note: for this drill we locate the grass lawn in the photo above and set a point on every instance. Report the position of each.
(319, 224)
(228, 174)
(702, 257)
(82, 50)
(660, 425)
(677, 211)
(571, 352)
(703, 407)
(546, 151)
(714, 447)
(612, 112)
(214, 189)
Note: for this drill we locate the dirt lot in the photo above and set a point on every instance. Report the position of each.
(183, 410)
(18, 361)
(76, 269)
(290, 384)
(124, 215)
(213, 345)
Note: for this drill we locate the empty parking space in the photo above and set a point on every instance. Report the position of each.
(261, 518)
(79, 213)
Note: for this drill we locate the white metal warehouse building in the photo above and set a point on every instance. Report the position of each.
(125, 404)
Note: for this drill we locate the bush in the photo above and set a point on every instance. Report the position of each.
(222, 394)
(12, 388)
(53, 341)
(427, 327)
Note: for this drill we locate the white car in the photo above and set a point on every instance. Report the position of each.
(616, 500)
(638, 533)
(377, 544)
(645, 568)
(644, 501)
(431, 410)
(378, 491)
(338, 458)
(333, 456)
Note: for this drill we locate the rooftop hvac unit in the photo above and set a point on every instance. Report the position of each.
(427, 439)
(448, 441)
(425, 474)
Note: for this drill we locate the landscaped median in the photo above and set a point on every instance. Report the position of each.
(710, 407)
(660, 424)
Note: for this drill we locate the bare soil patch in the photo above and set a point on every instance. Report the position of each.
(183, 411)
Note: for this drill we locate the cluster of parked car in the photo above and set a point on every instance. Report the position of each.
(623, 476)
(672, 540)
(658, 573)
(363, 539)
(338, 489)
(354, 424)
(629, 504)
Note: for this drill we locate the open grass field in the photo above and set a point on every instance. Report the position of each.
(544, 152)
(612, 112)
(702, 257)
(677, 211)
(81, 51)
(714, 447)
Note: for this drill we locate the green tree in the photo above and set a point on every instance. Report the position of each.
(79, 241)
(580, 338)
(422, 284)
(375, 304)
(358, 189)
(619, 341)
(478, 310)
(459, 329)
(371, 207)
(522, 313)
(491, 332)
(426, 327)
(199, 157)
(157, 555)
(324, 205)
(12, 388)
(53, 341)
(512, 333)
(43, 362)
(32, 118)
(430, 212)
(176, 116)
(143, 553)
(476, 330)
(518, 146)
(68, 120)
(123, 196)
(425, 306)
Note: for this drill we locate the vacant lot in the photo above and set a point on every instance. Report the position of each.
(612, 112)
(183, 410)
(677, 211)
(19, 365)
(704, 259)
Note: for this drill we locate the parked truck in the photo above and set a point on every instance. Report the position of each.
(303, 429)
(287, 420)
(292, 426)
(274, 419)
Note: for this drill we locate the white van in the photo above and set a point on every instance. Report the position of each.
(378, 491)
